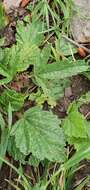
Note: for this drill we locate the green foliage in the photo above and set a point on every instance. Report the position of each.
(42, 8)
(14, 151)
(5, 133)
(76, 128)
(83, 153)
(84, 99)
(38, 132)
(14, 98)
(33, 161)
(39, 186)
(64, 48)
(50, 12)
(37, 137)
(50, 77)
(28, 39)
(74, 124)
(61, 69)
(19, 57)
(2, 16)
(2, 122)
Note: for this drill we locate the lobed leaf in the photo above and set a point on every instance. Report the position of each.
(38, 132)
(19, 57)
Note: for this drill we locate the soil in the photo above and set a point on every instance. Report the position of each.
(81, 174)
(80, 85)
(7, 174)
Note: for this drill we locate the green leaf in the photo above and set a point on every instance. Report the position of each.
(39, 186)
(50, 77)
(2, 16)
(84, 99)
(55, 88)
(62, 69)
(74, 125)
(7, 64)
(87, 74)
(52, 90)
(38, 132)
(33, 161)
(9, 116)
(76, 128)
(2, 122)
(25, 52)
(83, 153)
(88, 129)
(14, 151)
(64, 47)
(29, 34)
(14, 98)
(4, 143)
(28, 40)
(79, 142)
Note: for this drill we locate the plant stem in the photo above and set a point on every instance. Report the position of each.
(76, 43)
(54, 175)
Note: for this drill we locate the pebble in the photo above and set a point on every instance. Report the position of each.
(11, 4)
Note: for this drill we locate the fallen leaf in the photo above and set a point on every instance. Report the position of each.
(81, 52)
(24, 3)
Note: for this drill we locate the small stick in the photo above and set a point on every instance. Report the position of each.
(76, 43)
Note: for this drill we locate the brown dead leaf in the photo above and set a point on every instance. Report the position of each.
(24, 3)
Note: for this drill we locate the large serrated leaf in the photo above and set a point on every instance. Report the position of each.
(38, 132)
(30, 34)
(19, 57)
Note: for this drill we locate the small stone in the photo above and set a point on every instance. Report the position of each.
(80, 22)
(68, 92)
(11, 4)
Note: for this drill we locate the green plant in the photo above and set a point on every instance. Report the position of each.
(64, 173)
(75, 125)
(2, 16)
(32, 135)
(27, 52)
(49, 12)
